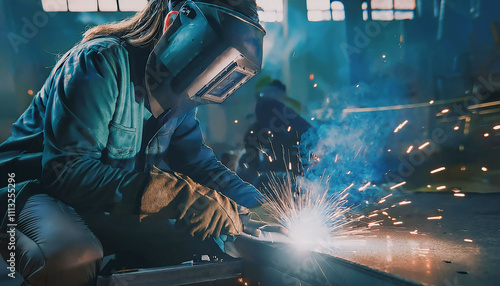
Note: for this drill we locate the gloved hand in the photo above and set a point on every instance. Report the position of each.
(204, 212)
(257, 220)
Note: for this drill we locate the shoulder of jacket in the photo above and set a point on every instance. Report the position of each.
(103, 45)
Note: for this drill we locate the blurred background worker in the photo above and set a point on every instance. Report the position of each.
(112, 142)
(272, 142)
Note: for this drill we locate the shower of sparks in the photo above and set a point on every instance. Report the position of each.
(400, 126)
(438, 170)
(409, 149)
(397, 185)
(434, 218)
(311, 217)
(424, 145)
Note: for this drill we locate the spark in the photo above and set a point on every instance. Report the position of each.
(387, 196)
(409, 149)
(372, 215)
(484, 169)
(397, 185)
(414, 232)
(463, 168)
(496, 127)
(400, 126)
(289, 128)
(431, 102)
(311, 76)
(270, 159)
(245, 165)
(438, 170)
(30, 92)
(444, 111)
(385, 213)
(486, 134)
(429, 186)
(468, 240)
(441, 188)
(236, 121)
(364, 186)
(357, 85)
(459, 194)
(375, 223)
(456, 128)
(269, 132)
(251, 131)
(434, 217)
(381, 201)
(424, 145)
(404, 203)
(388, 150)
(384, 56)
(397, 222)
(312, 118)
(350, 186)
(310, 216)
(290, 166)
(315, 85)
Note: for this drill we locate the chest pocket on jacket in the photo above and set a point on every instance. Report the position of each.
(122, 141)
(161, 141)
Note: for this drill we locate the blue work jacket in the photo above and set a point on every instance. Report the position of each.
(82, 134)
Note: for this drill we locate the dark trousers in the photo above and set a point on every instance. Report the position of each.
(57, 246)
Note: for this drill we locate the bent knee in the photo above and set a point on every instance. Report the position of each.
(75, 264)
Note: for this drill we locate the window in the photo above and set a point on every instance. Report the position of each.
(270, 10)
(388, 10)
(324, 10)
(92, 5)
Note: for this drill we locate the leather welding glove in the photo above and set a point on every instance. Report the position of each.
(204, 212)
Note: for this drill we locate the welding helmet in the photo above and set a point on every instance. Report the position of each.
(207, 53)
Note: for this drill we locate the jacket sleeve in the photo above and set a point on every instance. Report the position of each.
(80, 106)
(189, 155)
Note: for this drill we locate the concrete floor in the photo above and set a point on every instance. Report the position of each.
(440, 252)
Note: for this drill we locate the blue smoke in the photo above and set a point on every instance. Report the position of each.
(351, 147)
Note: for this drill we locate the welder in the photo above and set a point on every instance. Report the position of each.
(109, 156)
(272, 142)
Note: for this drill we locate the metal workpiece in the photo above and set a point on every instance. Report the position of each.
(208, 273)
(268, 263)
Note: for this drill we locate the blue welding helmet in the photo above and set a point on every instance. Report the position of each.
(207, 53)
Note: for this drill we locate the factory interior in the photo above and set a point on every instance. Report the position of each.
(397, 167)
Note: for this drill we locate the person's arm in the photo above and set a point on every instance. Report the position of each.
(81, 104)
(189, 155)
